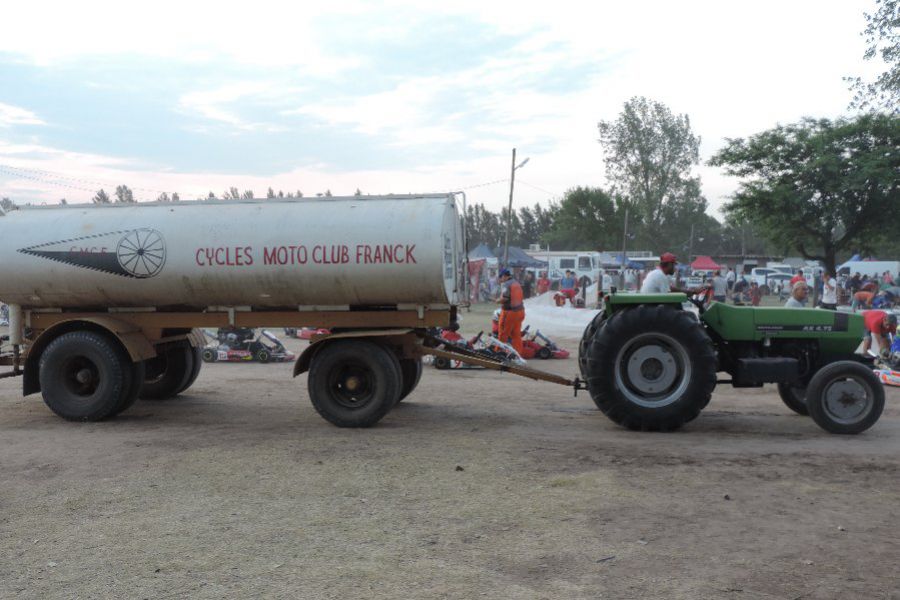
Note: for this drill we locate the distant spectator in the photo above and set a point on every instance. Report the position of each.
(799, 294)
(543, 283)
(862, 300)
(854, 283)
(755, 294)
(798, 277)
(567, 286)
(730, 279)
(528, 284)
(888, 278)
(829, 291)
(720, 287)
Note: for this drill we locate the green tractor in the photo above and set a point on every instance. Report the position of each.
(651, 365)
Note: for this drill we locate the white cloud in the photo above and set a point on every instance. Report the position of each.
(14, 115)
(734, 68)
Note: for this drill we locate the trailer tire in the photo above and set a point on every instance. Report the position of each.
(651, 368)
(138, 373)
(85, 376)
(411, 372)
(168, 373)
(354, 383)
(196, 356)
(794, 398)
(845, 397)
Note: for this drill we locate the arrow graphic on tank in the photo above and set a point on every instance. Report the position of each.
(136, 253)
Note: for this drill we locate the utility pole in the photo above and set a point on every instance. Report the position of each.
(691, 246)
(512, 183)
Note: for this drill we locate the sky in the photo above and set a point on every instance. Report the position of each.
(394, 97)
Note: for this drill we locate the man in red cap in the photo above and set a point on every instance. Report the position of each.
(878, 324)
(657, 281)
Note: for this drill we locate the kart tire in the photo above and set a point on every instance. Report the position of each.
(411, 372)
(354, 383)
(85, 376)
(651, 368)
(441, 363)
(263, 355)
(209, 355)
(167, 373)
(195, 368)
(794, 398)
(543, 353)
(845, 397)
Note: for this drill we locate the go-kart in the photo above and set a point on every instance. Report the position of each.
(304, 333)
(887, 366)
(240, 344)
(539, 346)
(487, 346)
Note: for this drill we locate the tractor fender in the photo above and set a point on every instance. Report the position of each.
(394, 337)
(128, 334)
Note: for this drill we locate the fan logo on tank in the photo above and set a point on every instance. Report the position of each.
(136, 253)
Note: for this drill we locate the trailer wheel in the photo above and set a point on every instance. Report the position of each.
(85, 376)
(794, 397)
(411, 372)
(195, 368)
(845, 397)
(138, 373)
(354, 383)
(168, 373)
(651, 368)
(209, 355)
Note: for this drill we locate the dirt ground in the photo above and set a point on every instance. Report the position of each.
(478, 485)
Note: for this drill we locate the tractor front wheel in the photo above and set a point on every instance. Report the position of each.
(845, 397)
(651, 368)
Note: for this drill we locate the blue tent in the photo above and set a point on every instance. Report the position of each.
(518, 258)
(630, 264)
(481, 251)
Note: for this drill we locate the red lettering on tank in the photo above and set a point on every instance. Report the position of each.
(409, 254)
(197, 257)
(398, 257)
(248, 255)
(387, 254)
(269, 256)
(368, 254)
(376, 258)
(217, 254)
(345, 255)
(302, 255)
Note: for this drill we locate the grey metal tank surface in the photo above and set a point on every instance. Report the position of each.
(322, 252)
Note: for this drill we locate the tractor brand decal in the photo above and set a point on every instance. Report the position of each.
(809, 328)
(136, 253)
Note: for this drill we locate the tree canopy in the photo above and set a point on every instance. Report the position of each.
(819, 186)
(883, 41)
(649, 154)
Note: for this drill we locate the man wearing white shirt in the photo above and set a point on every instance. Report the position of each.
(658, 280)
(829, 291)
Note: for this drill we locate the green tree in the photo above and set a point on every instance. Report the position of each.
(124, 195)
(175, 197)
(883, 41)
(247, 195)
(231, 193)
(821, 187)
(164, 197)
(101, 197)
(587, 219)
(211, 196)
(270, 193)
(649, 154)
(6, 204)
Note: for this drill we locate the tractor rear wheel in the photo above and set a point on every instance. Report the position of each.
(794, 397)
(651, 368)
(584, 345)
(845, 397)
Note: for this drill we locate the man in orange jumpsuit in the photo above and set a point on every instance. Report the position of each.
(512, 310)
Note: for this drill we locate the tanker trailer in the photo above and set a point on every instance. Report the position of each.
(104, 299)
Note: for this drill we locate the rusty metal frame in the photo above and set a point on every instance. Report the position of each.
(462, 355)
(255, 319)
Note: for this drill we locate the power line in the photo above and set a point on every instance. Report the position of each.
(55, 175)
(540, 189)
